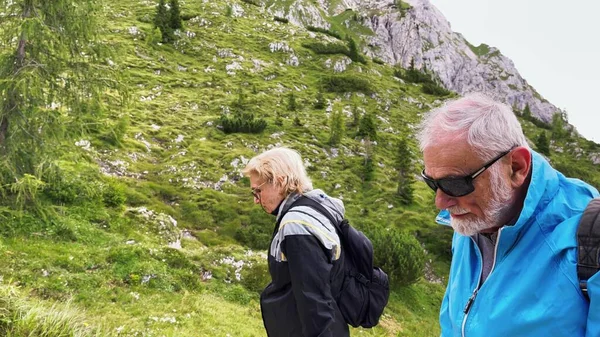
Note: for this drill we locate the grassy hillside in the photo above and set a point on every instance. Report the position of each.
(152, 230)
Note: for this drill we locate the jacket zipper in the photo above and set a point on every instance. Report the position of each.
(474, 294)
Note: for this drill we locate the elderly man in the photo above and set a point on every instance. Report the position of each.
(305, 258)
(515, 218)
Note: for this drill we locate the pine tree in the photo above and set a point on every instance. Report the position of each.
(336, 128)
(292, 102)
(542, 144)
(320, 104)
(368, 166)
(527, 112)
(162, 21)
(353, 50)
(405, 174)
(239, 105)
(54, 82)
(559, 122)
(366, 127)
(355, 116)
(175, 15)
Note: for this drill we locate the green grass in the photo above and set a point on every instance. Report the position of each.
(100, 250)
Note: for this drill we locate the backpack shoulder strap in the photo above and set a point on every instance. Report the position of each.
(305, 201)
(588, 244)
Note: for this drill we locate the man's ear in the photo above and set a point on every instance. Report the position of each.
(520, 161)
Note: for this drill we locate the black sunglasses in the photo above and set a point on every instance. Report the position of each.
(460, 186)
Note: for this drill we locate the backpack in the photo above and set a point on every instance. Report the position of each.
(365, 289)
(588, 244)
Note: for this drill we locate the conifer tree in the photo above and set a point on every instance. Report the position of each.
(292, 102)
(336, 128)
(353, 49)
(320, 104)
(559, 121)
(162, 21)
(527, 112)
(54, 78)
(543, 144)
(405, 174)
(175, 15)
(355, 116)
(368, 166)
(366, 127)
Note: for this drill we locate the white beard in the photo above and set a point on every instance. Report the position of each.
(493, 212)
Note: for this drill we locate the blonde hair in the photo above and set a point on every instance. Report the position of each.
(281, 166)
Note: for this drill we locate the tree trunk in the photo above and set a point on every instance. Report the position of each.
(12, 106)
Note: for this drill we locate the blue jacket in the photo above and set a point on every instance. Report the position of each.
(533, 288)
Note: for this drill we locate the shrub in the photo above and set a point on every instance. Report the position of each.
(188, 16)
(325, 31)
(256, 277)
(346, 83)
(237, 294)
(252, 2)
(413, 75)
(113, 194)
(326, 48)
(280, 19)
(399, 254)
(434, 89)
(256, 230)
(242, 122)
(175, 259)
(354, 53)
(320, 103)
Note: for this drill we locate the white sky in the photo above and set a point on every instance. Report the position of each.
(555, 46)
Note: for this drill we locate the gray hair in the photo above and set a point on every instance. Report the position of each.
(280, 162)
(489, 127)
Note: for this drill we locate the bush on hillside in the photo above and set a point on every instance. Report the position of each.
(346, 83)
(280, 19)
(256, 229)
(256, 277)
(252, 2)
(399, 254)
(434, 89)
(325, 31)
(113, 194)
(243, 123)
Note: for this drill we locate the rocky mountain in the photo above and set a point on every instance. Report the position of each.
(416, 31)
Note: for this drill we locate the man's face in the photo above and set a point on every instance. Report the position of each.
(484, 208)
(265, 193)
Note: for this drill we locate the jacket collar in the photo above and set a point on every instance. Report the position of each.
(543, 186)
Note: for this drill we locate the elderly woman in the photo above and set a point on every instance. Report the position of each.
(305, 260)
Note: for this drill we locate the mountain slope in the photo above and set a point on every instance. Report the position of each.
(415, 31)
(152, 231)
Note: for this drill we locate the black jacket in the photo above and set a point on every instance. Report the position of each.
(305, 263)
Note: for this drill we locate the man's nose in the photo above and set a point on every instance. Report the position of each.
(443, 200)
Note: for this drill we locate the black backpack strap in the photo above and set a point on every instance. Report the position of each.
(588, 244)
(305, 201)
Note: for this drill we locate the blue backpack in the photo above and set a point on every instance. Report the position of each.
(365, 289)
